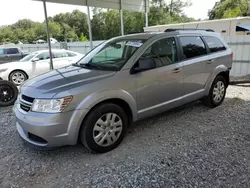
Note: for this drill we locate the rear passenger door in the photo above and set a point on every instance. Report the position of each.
(13, 54)
(61, 59)
(195, 59)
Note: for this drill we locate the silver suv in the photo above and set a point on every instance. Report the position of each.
(121, 81)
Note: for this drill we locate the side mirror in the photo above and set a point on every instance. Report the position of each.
(35, 59)
(143, 65)
(117, 46)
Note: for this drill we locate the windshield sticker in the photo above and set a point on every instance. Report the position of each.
(134, 44)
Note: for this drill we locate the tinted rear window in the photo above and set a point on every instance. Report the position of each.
(214, 44)
(192, 47)
(12, 51)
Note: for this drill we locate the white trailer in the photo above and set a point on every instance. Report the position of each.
(227, 27)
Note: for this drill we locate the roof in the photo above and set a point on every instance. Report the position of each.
(132, 5)
(147, 35)
(141, 36)
(53, 50)
(200, 22)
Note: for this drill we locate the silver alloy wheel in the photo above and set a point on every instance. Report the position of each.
(219, 91)
(107, 129)
(18, 78)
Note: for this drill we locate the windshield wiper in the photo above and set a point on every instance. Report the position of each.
(87, 66)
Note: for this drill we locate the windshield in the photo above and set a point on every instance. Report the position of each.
(28, 57)
(111, 55)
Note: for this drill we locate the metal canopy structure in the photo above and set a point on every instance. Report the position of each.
(131, 5)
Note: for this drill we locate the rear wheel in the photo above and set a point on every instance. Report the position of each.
(217, 92)
(8, 93)
(104, 128)
(18, 77)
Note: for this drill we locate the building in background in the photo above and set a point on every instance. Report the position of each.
(227, 27)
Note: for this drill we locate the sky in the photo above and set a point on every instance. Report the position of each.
(33, 10)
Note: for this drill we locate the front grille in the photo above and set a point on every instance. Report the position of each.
(24, 107)
(26, 103)
(28, 99)
(36, 138)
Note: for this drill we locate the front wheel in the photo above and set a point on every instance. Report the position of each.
(104, 128)
(18, 77)
(217, 92)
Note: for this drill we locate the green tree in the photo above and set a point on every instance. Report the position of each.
(83, 38)
(76, 20)
(172, 6)
(230, 9)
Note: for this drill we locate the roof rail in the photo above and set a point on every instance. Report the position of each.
(188, 29)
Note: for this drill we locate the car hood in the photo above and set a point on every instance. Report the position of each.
(10, 64)
(61, 80)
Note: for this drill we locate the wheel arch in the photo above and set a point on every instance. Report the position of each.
(119, 97)
(19, 71)
(219, 70)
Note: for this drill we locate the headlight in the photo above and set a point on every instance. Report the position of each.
(3, 70)
(51, 105)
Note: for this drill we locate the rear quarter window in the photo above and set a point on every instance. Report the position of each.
(214, 44)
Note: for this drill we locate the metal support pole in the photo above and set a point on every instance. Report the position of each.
(121, 17)
(48, 34)
(90, 30)
(146, 12)
(146, 16)
(122, 25)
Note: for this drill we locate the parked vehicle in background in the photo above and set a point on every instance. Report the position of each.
(123, 80)
(53, 41)
(40, 41)
(35, 64)
(10, 54)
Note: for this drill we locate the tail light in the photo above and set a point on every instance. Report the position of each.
(232, 55)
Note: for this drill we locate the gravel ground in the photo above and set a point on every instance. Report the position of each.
(192, 146)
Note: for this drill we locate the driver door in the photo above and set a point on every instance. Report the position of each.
(42, 65)
(160, 88)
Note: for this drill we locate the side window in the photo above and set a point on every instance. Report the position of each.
(12, 51)
(164, 52)
(71, 54)
(214, 44)
(60, 54)
(43, 56)
(192, 47)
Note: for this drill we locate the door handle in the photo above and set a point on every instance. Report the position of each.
(177, 70)
(210, 61)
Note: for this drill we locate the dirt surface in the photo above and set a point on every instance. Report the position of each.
(192, 146)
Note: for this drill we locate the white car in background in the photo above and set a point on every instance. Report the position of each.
(35, 64)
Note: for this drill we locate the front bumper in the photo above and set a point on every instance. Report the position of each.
(49, 130)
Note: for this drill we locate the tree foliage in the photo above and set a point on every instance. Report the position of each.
(230, 9)
(105, 24)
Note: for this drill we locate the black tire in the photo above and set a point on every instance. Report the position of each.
(8, 93)
(24, 75)
(209, 100)
(87, 134)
